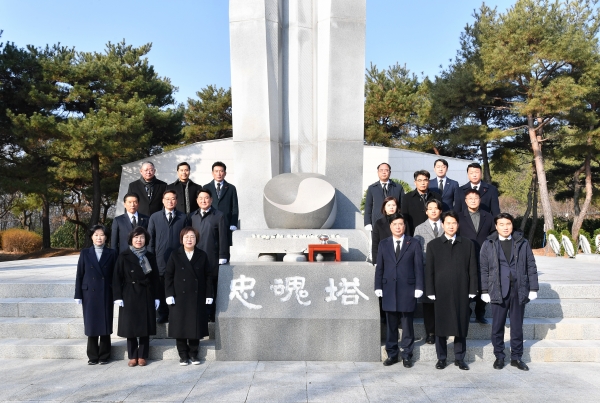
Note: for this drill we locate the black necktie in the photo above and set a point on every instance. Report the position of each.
(435, 229)
(476, 188)
(133, 222)
(385, 190)
(170, 217)
(397, 249)
(204, 213)
(441, 185)
(218, 190)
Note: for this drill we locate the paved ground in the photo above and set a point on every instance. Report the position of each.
(166, 381)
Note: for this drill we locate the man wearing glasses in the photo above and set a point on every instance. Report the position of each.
(378, 191)
(414, 204)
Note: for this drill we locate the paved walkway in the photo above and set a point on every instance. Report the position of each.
(166, 381)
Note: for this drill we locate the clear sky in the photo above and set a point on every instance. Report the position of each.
(190, 38)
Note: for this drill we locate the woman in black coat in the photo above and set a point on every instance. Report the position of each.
(135, 287)
(188, 287)
(381, 229)
(93, 289)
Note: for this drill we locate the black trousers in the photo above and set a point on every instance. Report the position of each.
(163, 308)
(479, 306)
(187, 348)
(516, 312)
(405, 320)
(138, 350)
(429, 318)
(98, 352)
(441, 347)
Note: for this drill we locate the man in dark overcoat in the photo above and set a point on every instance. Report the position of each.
(450, 280)
(149, 189)
(414, 203)
(188, 287)
(377, 192)
(443, 185)
(164, 228)
(425, 233)
(487, 192)
(186, 190)
(509, 280)
(124, 223)
(399, 282)
(224, 198)
(212, 227)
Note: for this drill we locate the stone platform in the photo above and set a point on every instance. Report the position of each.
(38, 318)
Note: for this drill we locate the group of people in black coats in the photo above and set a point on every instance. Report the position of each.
(162, 265)
(447, 245)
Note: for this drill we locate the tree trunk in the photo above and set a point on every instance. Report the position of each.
(577, 190)
(535, 136)
(529, 201)
(578, 220)
(76, 235)
(487, 174)
(45, 223)
(534, 220)
(97, 196)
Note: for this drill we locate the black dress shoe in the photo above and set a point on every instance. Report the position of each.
(103, 362)
(430, 339)
(482, 320)
(92, 362)
(461, 364)
(390, 361)
(519, 364)
(441, 364)
(407, 362)
(499, 363)
(162, 320)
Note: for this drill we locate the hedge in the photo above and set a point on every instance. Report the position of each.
(21, 241)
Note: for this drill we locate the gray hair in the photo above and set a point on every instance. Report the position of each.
(148, 163)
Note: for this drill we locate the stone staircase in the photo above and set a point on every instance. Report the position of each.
(38, 318)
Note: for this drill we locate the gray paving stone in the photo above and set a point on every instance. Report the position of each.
(326, 379)
(281, 366)
(160, 393)
(41, 393)
(330, 366)
(101, 391)
(279, 379)
(219, 392)
(393, 394)
(454, 394)
(291, 394)
(336, 394)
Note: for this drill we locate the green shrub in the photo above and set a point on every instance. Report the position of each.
(64, 236)
(404, 185)
(21, 241)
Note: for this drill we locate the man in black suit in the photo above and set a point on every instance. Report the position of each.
(123, 224)
(186, 189)
(443, 185)
(378, 191)
(487, 192)
(211, 225)
(399, 282)
(164, 228)
(149, 189)
(414, 204)
(224, 198)
(476, 225)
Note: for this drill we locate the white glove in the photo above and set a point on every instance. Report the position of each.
(472, 295)
(418, 293)
(156, 303)
(78, 301)
(486, 298)
(379, 293)
(532, 295)
(209, 301)
(232, 228)
(431, 297)
(369, 227)
(222, 261)
(170, 300)
(119, 302)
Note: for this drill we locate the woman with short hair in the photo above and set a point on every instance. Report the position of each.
(135, 287)
(93, 289)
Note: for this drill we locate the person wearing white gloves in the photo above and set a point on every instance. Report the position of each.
(189, 288)
(135, 289)
(509, 280)
(450, 280)
(93, 289)
(399, 282)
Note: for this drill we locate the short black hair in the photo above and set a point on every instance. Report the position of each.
(203, 190)
(384, 163)
(443, 161)
(397, 215)
(183, 163)
(436, 201)
(450, 213)
(170, 191)
(131, 195)
(504, 216)
(474, 165)
(137, 231)
(472, 191)
(422, 172)
(389, 199)
(219, 164)
(96, 228)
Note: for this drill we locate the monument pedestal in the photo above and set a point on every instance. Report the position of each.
(297, 311)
